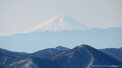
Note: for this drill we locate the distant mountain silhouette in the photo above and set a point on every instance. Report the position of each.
(59, 27)
(7, 56)
(82, 56)
(58, 23)
(61, 48)
(114, 52)
(49, 51)
(12, 53)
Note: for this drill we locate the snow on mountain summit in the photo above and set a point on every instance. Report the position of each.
(58, 23)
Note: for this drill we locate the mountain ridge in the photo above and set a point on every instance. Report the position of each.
(72, 58)
(89, 56)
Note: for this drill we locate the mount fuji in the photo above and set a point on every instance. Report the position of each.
(61, 30)
(59, 23)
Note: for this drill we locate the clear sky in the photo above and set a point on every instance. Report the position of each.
(19, 15)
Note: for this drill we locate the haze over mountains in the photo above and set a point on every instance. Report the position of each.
(82, 56)
(62, 30)
(55, 30)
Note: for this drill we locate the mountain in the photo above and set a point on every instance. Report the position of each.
(59, 23)
(12, 53)
(7, 56)
(61, 30)
(10, 56)
(114, 52)
(49, 52)
(6, 59)
(32, 62)
(82, 56)
(61, 48)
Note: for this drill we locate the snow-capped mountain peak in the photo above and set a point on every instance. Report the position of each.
(59, 23)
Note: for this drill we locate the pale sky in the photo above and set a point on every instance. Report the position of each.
(19, 15)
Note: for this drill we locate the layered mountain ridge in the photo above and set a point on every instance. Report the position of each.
(82, 56)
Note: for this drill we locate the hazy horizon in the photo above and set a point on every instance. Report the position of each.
(19, 15)
(19, 19)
